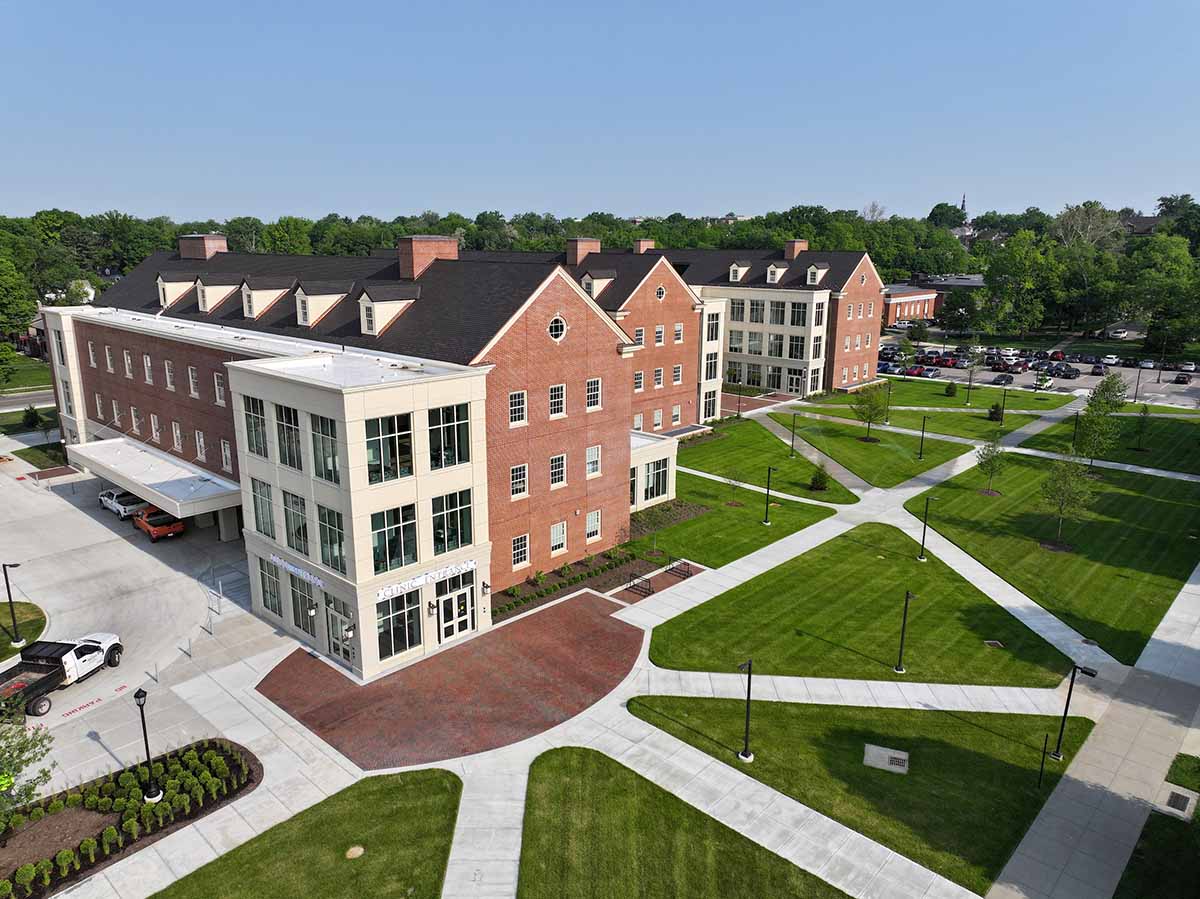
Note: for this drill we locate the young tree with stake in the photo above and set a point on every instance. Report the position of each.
(870, 406)
(1066, 491)
(990, 459)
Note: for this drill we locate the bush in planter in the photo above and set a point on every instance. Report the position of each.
(37, 813)
(110, 839)
(119, 804)
(65, 860)
(16, 822)
(24, 876)
(564, 570)
(995, 413)
(45, 868)
(146, 814)
(74, 800)
(56, 806)
(182, 803)
(132, 828)
(88, 848)
(161, 811)
(108, 789)
(126, 780)
(105, 805)
(157, 770)
(6, 889)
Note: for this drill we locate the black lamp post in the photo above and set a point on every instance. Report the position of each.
(1137, 385)
(925, 527)
(1075, 434)
(748, 667)
(887, 416)
(792, 445)
(1090, 672)
(140, 698)
(899, 669)
(921, 451)
(970, 379)
(1003, 405)
(767, 508)
(17, 640)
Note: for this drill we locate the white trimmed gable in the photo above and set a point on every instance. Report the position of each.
(311, 308)
(172, 287)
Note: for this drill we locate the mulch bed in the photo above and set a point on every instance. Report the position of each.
(601, 583)
(68, 828)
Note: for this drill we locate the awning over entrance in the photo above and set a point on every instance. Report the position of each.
(172, 484)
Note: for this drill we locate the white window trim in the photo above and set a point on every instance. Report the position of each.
(226, 455)
(524, 493)
(677, 332)
(517, 566)
(557, 415)
(636, 379)
(91, 354)
(659, 379)
(600, 392)
(193, 382)
(169, 374)
(563, 482)
(589, 475)
(677, 374)
(218, 388)
(524, 421)
(562, 549)
(599, 526)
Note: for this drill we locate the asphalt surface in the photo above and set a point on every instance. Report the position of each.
(10, 402)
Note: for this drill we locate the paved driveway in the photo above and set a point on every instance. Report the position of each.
(93, 572)
(504, 686)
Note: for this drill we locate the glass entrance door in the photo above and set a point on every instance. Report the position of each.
(456, 606)
(795, 383)
(340, 646)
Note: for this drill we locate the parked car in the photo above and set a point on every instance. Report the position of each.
(123, 503)
(1110, 359)
(1118, 334)
(883, 368)
(48, 665)
(962, 363)
(915, 371)
(1057, 355)
(1146, 363)
(1089, 359)
(999, 365)
(158, 524)
(1187, 366)
(1070, 372)
(1042, 365)
(1002, 380)
(1183, 378)
(1129, 362)
(1170, 366)
(1018, 366)
(931, 373)
(1041, 354)
(995, 351)
(1099, 369)
(1010, 352)
(1043, 382)
(1073, 357)
(977, 350)
(903, 324)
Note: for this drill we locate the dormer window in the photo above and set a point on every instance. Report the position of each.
(302, 309)
(588, 285)
(369, 318)
(735, 272)
(162, 294)
(202, 297)
(775, 272)
(816, 273)
(247, 302)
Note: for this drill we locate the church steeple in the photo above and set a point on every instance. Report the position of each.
(964, 204)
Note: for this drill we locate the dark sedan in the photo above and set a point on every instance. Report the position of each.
(1002, 380)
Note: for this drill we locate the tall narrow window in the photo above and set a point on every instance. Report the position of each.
(710, 366)
(449, 436)
(128, 363)
(389, 448)
(799, 315)
(451, 521)
(333, 538)
(558, 470)
(679, 332)
(394, 538)
(99, 407)
(264, 513)
(269, 575)
(517, 412)
(226, 453)
(295, 522)
(219, 388)
(287, 429)
(660, 333)
(303, 605)
(518, 480)
(677, 374)
(201, 451)
(193, 381)
(147, 368)
(398, 623)
(168, 373)
(116, 413)
(256, 425)
(520, 550)
(108, 359)
(714, 326)
(656, 479)
(135, 419)
(558, 400)
(593, 393)
(593, 461)
(91, 354)
(593, 525)
(155, 430)
(558, 538)
(325, 452)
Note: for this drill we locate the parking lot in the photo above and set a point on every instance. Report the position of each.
(92, 572)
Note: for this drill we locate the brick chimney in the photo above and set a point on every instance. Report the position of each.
(417, 252)
(579, 247)
(793, 248)
(202, 246)
(642, 244)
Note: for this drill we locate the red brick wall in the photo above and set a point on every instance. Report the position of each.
(856, 327)
(527, 359)
(647, 311)
(193, 414)
(416, 253)
(895, 308)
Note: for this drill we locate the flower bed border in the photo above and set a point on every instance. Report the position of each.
(537, 596)
(254, 777)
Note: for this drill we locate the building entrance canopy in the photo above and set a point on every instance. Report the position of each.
(172, 484)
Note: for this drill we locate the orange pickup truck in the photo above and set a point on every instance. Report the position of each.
(157, 523)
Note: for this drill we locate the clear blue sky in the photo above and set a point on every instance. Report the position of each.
(212, 109)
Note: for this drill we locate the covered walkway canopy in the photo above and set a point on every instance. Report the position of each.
(172, 484)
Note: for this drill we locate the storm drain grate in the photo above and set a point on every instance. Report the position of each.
(1177, 801)
(994, 644)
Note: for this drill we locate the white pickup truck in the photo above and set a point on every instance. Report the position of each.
(123, 503)
(48, 665)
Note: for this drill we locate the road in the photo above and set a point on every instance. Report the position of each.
(10, 402)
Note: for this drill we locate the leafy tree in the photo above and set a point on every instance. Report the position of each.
(288, 234)
(918, 332)
(1098, 434)
(8, 364)
(1175, 204)
(946, 215)
(1088, 223)
(1066, 491)
(870, 405)
(1108, 396)
(22, 751)
(1020, 278)
(959, 313)
(820, 478)
(18, 302)
(990, 459)
(244, 234)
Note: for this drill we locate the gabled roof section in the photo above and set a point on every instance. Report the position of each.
(270, 282)
(388, 291)
(711, 267)
(178, 277)
(316, 287)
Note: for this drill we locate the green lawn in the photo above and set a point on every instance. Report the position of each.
(405, 822)
(975, 425)
(1135, 348)
(30, 373)
(1171, 444)
(1185, 772)
(891, 461)
(1161, 410)
(594, 828)
(12, 422)
(43, 455)
(1166, 859)
(723, 532)
(743, 449)
(31, 621)
(970, 794)
(800, 619)
(1132, 548)
(923, 392)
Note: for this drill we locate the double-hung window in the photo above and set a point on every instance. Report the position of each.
(135, 418)
(679, 332)
(592, 394)
(108, 359)
(168, 373)
(816, 353)
(287, 429)
(677, 374)
(639, 336)
(593, 525)
(558, 400)
(520, 550)
(99, 407)
(256, 424)
(735, 341)
(518, 480)
(658, 377)
(818, 314)
(219, 388)
(639, 381)
(333, 538)
(775, 345)
(128, 363)
(156, 431)
(593, 461)
(451, 521)
(91, 354)
(558, 470)
(389, 448)
(264, 513)
(193, 382)
(558, 538)
(660, 333)
(147, 368)
(325, 451)
(226, 448)
(517, 409)
(658, 419)
(201, 450)
(177, 436)
(295, 522)
(795, 346)
(755, 343)
(449, 436)
(394, 538)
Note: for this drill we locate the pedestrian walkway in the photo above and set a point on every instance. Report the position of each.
(1113, 466)
(1044, 421)
(1081, 841)
(836, 469)
(1174, 647)
(754, 488)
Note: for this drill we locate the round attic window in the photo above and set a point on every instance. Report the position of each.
(557, 328)
(660, 292)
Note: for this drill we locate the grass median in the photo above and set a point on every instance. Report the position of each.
(1168, 443)
(975, 425)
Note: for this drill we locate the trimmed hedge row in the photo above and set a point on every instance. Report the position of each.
(615, 559)
(189, 779)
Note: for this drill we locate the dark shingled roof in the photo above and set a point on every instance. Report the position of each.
(711, 267)
(625, 267)
(174, 277)
(315, 287)
(222, 279)
(383, 291)
(462, 304)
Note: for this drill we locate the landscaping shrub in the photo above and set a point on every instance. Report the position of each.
(88, 848)
(74, 800)
(538, 578)
(820, 478)
(952, 389)
(45, 868)
(37, 813)
(90, 801)
(995, 413)
(564, 570)
(65, 860)
(55, 807)
(104, 805)
(30, 417)
(119, 804)
(24, 876)
(6, 889)
(110, 839)
(16, 822)
(132, 828)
